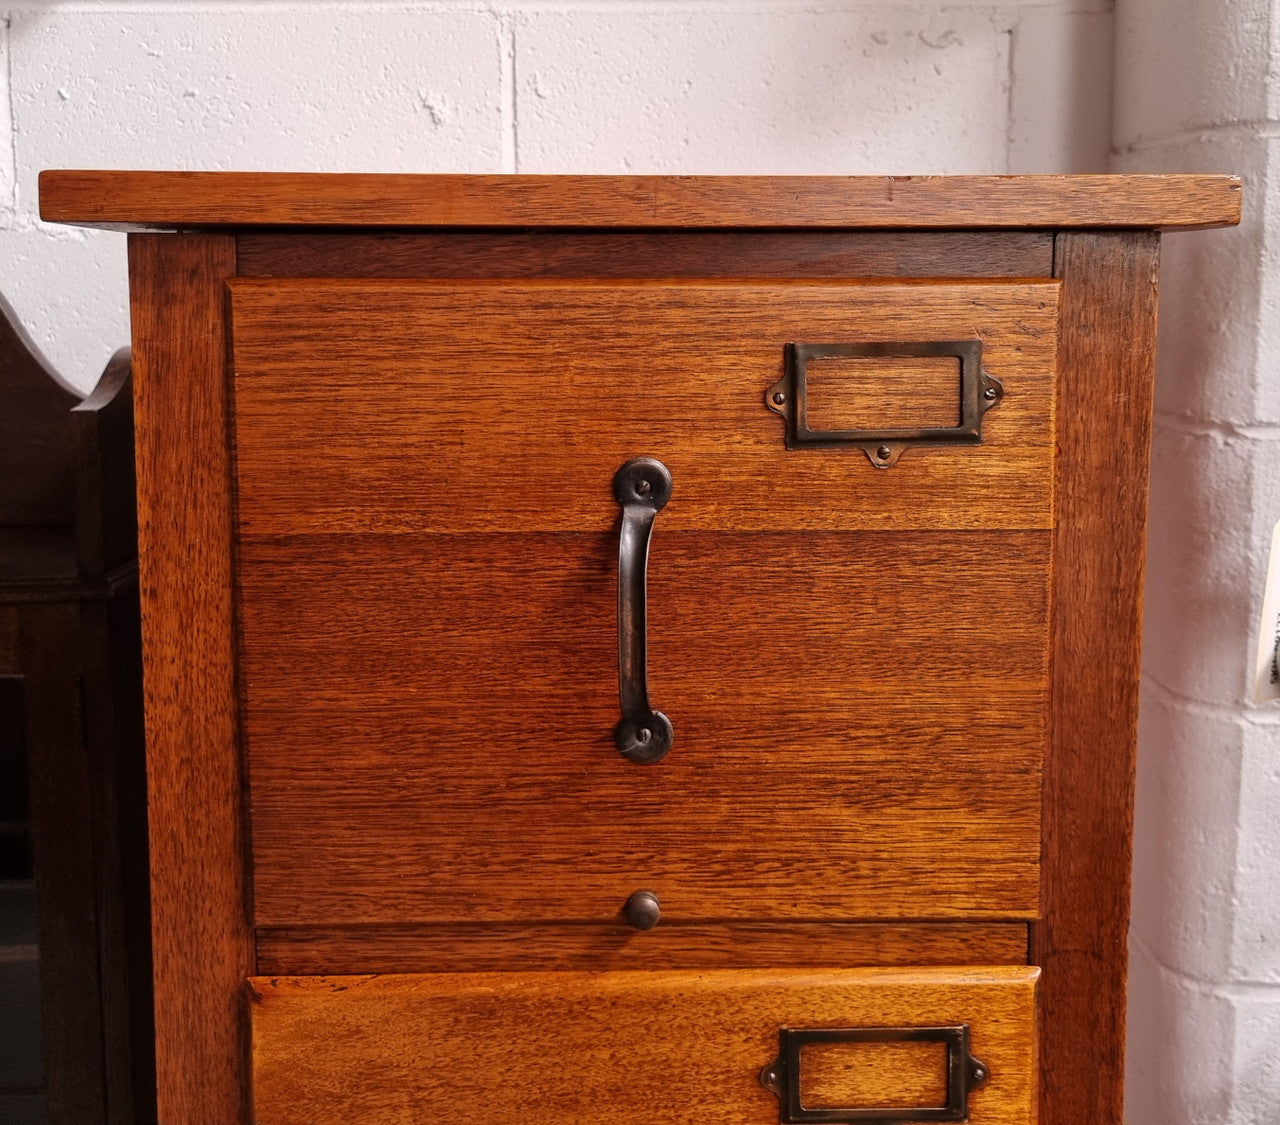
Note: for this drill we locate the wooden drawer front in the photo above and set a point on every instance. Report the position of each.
(663, 1048)
(859, 728)
(430, 668)
(506, 406)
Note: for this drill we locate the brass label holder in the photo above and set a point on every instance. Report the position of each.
(979, 392)
(782, 1076)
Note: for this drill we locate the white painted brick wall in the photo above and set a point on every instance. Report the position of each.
(1060, 91)
(1179, 1017)
(1188, 65)
(1257, 1069)
(1185, 855)
(626, 90)
(1201, 531)
(1255, 947)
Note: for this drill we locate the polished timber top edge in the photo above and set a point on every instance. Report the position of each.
(128, 200)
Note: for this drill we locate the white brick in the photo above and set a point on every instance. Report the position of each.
(1256, 944)
(1199, 1053)
(1264, 218)
(1190, 65)
(1180, 1044)
(1257, 1059)
(1185, 837)
(1061, 115)
(723, 90)
(1215, 331)
(1200, 550)
(69, 290)
(312, 88)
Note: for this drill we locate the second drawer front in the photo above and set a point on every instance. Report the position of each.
(675, 1048)
(858, 729)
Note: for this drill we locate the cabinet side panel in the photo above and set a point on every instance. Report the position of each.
(1104, 433)
(202, 945)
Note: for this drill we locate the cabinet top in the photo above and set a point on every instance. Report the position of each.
(122, 200)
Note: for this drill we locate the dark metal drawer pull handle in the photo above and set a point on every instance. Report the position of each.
(642, 486)
(978, 393)
(964, 1073)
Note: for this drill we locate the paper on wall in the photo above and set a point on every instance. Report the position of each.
(1266, 683)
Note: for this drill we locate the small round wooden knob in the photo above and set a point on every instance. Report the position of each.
(642, 910)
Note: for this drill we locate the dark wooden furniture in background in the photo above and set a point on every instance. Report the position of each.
(70, 662)
(378, 421)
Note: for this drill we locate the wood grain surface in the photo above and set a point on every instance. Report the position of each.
(497, 947)
(202, 945)
(668, 253)
(859, 726)
(492, 406)
(897, 1075)
(131, 200)
(601, 1048)
(893, 392)
(1109, 323)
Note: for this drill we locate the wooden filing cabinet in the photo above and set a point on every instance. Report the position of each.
(641, 649)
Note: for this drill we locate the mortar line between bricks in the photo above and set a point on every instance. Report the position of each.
(1265, 128)
(1010, 74)
(1208, 427)
(510, 93)
(1203, 985)
(1221, 989)
(1063, 7)
(13, 112)
(808, 7)
(1256, 714)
